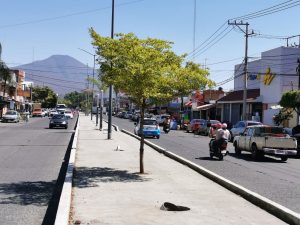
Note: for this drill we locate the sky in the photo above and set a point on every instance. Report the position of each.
(34, 30)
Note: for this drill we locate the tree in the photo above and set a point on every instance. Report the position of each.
(291, 99)
(75, 99)
(5, 75)
(44, 95)
(144, 69)
(190, 78)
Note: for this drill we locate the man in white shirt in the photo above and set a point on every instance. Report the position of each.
(222, 134)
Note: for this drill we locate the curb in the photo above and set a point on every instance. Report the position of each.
(273, 208)
(63, 211)
(115, 126)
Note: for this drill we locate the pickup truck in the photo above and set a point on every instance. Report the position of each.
(263, 140)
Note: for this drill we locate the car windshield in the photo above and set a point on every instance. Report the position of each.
(271, 131)
(59, 116)
(149, 122)
(253, 123)
(11, 113)
(68, 112)
(214, 121)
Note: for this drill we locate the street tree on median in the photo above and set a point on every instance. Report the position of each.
(190, 78)
(144, 69)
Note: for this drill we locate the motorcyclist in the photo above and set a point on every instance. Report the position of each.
(166, 123)
(222, 135)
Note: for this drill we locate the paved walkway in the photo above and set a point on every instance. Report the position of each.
(109, 190)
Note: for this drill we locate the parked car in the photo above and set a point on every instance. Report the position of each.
(206, 130)
(240, 127)
(194, 125)
(161, 118)
(263, 140)
(58, 120)
(11, 116)
(69, 114)
(151, 128)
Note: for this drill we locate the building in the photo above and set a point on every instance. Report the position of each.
(267, 79)
(12, 94)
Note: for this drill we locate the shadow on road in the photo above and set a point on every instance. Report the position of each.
(248, 157)
(90, 177)
(36, 193)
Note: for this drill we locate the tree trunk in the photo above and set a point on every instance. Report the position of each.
(142, 138)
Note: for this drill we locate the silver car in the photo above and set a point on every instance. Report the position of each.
(240, 127)
(11, 116)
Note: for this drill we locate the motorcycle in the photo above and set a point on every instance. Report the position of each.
(218, 151)
(166, 128)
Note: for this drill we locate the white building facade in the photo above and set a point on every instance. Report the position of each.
(273, 74)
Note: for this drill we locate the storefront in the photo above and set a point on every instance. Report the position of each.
(273, 74)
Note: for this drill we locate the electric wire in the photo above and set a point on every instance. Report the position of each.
(67, 15)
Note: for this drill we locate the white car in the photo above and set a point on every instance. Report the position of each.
(12, 116)
(69, 114)
(52, 113)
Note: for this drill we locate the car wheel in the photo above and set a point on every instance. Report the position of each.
(255, 152)
(66, 127)
(231, 137)
(284, 158)
(157, 136)
(236, 149)
(50, 127)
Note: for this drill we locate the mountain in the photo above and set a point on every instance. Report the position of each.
(62, 73)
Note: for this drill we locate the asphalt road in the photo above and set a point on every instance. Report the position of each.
(271, 178)
(30, 163)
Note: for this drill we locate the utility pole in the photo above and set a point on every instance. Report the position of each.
(110, 86)
(298, 72)
(88, 88)
(238, 24)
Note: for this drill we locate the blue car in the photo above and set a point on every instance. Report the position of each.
(151, 128)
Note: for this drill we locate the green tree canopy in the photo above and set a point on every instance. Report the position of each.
(44, 95)
(146, 70)
(291, 99)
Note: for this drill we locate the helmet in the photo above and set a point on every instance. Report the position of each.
(218, 125)
(224, 125)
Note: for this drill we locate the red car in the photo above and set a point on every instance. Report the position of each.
(194, 125)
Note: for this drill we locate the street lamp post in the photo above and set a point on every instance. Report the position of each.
(110, 86)
(97, 111)
(101, 110)
(93, 80)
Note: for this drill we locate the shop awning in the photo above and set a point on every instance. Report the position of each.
(206, 107)
(188, 104)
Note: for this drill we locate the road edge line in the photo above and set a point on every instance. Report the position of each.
(64, 206)
(270, 206)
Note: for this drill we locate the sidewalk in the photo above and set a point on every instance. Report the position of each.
(108, 189)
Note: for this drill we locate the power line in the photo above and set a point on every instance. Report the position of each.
(211, 43)
(67, 15)
(71, 81)
(50, 71)
(270, 10)
(67, 87)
